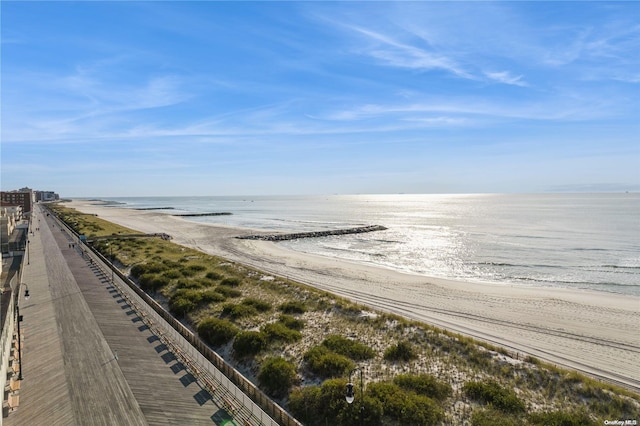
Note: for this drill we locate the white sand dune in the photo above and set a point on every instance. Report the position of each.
(594, 332)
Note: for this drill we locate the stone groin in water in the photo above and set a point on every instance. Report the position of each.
(316, 234)
(203, 214)
(156, 208)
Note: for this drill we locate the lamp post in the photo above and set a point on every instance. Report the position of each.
(19, 320)
(351, 396)
(28, 252)
(111, 256)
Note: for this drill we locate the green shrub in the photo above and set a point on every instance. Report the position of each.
(147, 268)
(210, 295)
(183, 283)
(403, 351)
(152, 282)
(405, 407)
(424, 384)
(187, 272)
(293, 307)
(276, 376)
(479, 358)
(332, 401)
(291, 322)
(217, 331)
(214, 276)
(171, 264)
(492, 393)
(184, 301)
(305, 404)
(181, 306)
(324, 363)
(249, 343)
(231, 282)
(562, 418)
(237, 311)
(314, 405)
(492, 417)
(228, 292)
(259, 305)
(279, 332)
(419, 410)
(349, 348)
(196, 268)
(172, 274)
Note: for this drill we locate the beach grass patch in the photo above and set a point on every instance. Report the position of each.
(147, 268)
(210, 295)
(350, 348)
(196, 268)
(276, 376)
(561, 418)
(228, 292)
(237, 311)
(405, 407)
(327, 364)
(181, 306)
(231, 282)
(172, 274)
(491, 392)
(257, 304)
(152, 282)
(214, 276)
(291, 322)
(492, 417)
(216, 331)
(187, 283)
(306, 405)
(293, 307)
(424, 384)
(401, 351)
(277, 331)
(249, 343)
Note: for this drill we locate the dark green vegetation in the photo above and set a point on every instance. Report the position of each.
(401, 351)
(301, 344)
(277, 376)
(492, 393)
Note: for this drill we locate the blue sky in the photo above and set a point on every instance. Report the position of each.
(243, 98)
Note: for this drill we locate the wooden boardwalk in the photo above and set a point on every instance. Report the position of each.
(88, 358)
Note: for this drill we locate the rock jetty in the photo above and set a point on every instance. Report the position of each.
(284, 237)
(156, 208)
(203, 214)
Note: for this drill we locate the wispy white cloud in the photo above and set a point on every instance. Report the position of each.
(506, 77)
(107, 96)
(398, 54)
(564, 106)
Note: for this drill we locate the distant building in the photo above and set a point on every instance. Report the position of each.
(46, 196)
(26, 199)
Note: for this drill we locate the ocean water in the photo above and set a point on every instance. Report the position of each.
(586, 241)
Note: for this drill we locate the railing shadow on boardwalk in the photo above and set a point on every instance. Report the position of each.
(273, 410)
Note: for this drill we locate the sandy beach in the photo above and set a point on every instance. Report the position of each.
(593, 332)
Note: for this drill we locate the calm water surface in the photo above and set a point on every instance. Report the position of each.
(589, 241)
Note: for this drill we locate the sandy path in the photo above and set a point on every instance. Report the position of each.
(593, 332)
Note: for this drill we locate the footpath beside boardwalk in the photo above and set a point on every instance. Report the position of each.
(88, 358)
